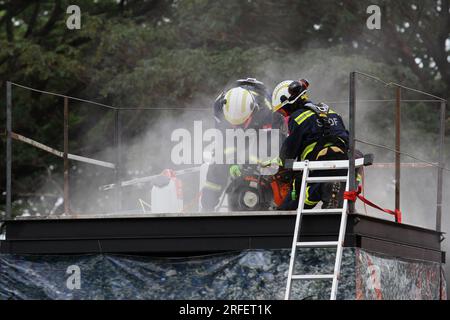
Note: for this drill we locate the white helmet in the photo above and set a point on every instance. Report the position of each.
(251, 82)
(288, 92)
(239, 105)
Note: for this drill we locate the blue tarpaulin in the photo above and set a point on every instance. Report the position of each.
(252, 275)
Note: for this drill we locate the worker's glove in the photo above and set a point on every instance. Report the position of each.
(235, 171)
(268, 163)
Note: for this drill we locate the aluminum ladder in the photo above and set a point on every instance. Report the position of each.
(306, 167)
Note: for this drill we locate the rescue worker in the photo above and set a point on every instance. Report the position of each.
(316, 133)
(245, 106)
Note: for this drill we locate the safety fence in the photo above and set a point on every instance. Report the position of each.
(112, 170)
(399, 90)
(114, 167)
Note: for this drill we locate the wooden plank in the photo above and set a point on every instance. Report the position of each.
(36, 144)
(60, 154)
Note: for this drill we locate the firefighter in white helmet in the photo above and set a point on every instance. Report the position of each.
(246, 105)
(316, 133)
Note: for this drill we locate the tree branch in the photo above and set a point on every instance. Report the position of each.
(405, 52)
(435, 45)
(57, 10)
(9, 28)
(33, 20)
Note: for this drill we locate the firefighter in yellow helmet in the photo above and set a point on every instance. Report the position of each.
(246, 105)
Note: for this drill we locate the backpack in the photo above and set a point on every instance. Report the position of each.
(327, 139)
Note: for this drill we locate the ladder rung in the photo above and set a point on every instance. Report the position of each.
(323, 211)
(313, 277)
(326, 179)
(318, 244)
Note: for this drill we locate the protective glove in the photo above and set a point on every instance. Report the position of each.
(275, 161)
(235, 171)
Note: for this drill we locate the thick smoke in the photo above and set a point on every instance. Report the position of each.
(149, 152)
(375, 123)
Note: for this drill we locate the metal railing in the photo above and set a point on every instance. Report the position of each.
(116, 165)
(353, 139)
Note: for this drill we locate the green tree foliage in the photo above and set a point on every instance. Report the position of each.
(156, 53)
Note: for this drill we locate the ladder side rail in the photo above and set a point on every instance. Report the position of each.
(341, 239)
(301, 202)
(307, 166)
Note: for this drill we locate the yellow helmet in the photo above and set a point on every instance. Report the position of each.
(239, 105)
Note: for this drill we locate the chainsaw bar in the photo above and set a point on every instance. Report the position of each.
(146, 179)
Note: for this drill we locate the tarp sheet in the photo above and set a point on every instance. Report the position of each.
(252, 275)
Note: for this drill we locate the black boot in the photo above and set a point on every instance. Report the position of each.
(332, 195)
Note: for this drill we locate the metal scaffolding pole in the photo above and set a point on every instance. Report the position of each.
(8, 150)
(118, 145)
(440, 181)
(351, 150)
(66, 157)
(397, 146)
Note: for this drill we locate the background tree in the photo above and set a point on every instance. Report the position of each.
(160, 53)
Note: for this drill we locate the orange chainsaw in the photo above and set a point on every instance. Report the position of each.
(255, 192)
